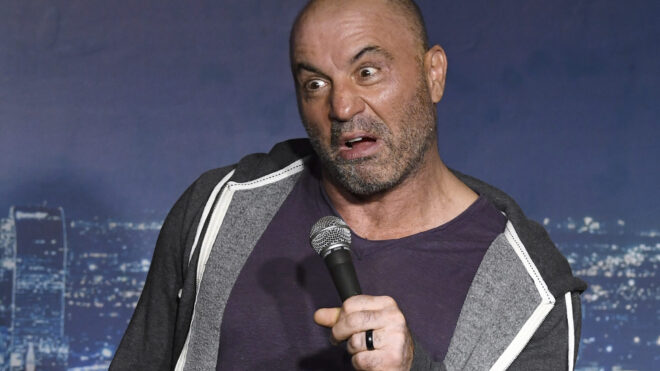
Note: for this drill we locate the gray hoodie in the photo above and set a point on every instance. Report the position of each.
(522, 311)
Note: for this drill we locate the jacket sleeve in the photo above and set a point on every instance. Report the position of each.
(553, 347)
(148, 341)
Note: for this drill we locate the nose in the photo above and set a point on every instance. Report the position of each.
(344, 102)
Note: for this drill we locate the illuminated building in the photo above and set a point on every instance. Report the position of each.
(39, 284)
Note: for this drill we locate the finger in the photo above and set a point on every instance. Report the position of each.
(359, 322)
(368, 360)
(327, 317)
(358, 342)
(390, 319)
(367, 302)
(381, 359)
(363, 312)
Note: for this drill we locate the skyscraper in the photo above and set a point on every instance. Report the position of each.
(7, 247)
(38, 288)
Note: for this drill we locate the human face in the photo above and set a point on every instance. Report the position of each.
(362, 94)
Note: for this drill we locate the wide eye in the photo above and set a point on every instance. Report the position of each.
(315, 84)
(367, 72)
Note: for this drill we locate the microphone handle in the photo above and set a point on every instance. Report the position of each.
(343, 274)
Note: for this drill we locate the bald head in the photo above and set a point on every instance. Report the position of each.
(411, 12)
(408, 9)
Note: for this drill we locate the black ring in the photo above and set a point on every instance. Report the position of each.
(369, 337)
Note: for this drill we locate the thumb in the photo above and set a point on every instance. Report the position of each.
(326, 317)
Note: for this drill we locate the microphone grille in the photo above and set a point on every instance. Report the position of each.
(329, 231)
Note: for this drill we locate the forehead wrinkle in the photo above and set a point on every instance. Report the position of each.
(304, 66)
(372, 49)
(353, 25)
(359, 40)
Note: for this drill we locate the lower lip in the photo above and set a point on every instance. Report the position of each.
(359, 150)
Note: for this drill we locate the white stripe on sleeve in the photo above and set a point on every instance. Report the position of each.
(571, 330)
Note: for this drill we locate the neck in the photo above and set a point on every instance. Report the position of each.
(430, 197)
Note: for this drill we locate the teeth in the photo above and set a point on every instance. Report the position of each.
(354, 140)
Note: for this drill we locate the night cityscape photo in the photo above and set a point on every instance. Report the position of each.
(75, 284)
(108, 111)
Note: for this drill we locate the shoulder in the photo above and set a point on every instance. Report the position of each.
(190, 213)
(534, 239)
(250, 167)
(201, 194)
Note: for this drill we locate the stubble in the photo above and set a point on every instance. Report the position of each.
(401, 156)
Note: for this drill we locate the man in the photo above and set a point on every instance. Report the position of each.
(456, 276)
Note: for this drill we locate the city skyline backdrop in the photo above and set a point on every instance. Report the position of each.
(110, 111)
(69, 287)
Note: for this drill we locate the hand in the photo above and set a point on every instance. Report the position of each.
(393, 345)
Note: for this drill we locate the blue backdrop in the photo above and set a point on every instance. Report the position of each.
(109, 110)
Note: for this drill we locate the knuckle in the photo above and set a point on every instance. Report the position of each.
(353, 304)
(389, 301)
(335, 334)
(347, 306)
(357, 361)
(390, 359)
(365, 361)
(399, 318)
(355, 342)
(372, 362)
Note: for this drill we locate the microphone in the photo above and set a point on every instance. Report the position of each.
(331, 238)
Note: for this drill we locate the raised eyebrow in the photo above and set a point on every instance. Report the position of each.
(302, 66)
(371, 49)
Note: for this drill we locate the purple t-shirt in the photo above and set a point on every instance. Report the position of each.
(268, 323)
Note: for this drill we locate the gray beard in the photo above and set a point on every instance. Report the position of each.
(403, 156)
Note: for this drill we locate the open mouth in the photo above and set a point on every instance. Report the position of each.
(358, 145)
(358, 140)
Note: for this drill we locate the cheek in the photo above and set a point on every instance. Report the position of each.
(315, 117)
(388, 101)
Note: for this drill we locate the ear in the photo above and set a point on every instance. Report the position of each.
(435, 66)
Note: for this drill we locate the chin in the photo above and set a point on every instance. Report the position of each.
(362, 182)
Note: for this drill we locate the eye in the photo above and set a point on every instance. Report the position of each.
(367, 72)
(315, 84)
